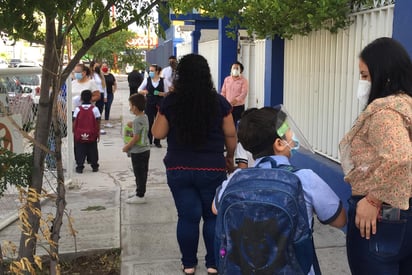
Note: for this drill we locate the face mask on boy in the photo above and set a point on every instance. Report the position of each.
(364, 90)
(295, 148)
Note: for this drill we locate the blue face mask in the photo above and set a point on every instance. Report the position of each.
(295, 148)
(78, 76)
(151, 74)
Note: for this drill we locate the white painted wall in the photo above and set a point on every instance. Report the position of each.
(321, 77)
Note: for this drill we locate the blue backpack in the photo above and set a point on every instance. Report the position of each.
(262, 225)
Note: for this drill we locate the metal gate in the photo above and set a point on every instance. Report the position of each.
(321, 76)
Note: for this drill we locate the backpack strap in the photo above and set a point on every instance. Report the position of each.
(299, 254)
(274, 164)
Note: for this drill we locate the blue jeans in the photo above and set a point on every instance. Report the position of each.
(388, 252)
(193, 192)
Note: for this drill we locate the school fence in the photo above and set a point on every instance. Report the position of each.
(320, 73)
(19, 98)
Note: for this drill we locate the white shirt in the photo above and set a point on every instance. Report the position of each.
(167, 73)
(78, 87)
(99, 84)
(96, 112)
(243, 156)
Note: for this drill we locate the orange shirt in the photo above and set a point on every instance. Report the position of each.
(235, 89)
(376, 154)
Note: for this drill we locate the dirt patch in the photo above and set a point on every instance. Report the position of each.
(105, 262)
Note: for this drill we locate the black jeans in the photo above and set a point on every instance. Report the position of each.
(89, 150)
(237, 113)
(151, 112)
(388, 252)
(100, 103)
(140, 162)
(108, 106)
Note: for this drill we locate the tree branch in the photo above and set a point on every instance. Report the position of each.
(99, 20)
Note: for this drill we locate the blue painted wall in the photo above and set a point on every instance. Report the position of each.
(274, 65)
(402, 23)
(227, 53)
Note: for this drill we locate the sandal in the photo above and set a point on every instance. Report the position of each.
(189, 270)
(212, 271)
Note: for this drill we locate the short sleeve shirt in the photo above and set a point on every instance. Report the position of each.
(243, 156)
(183, 156)
(140, 127)
(96, 112)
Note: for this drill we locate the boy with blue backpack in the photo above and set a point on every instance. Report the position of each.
(265, 214)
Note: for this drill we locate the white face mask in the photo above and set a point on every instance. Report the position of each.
(235, 72)
(364, 89)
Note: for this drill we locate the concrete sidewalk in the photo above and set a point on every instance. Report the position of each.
(146, 233)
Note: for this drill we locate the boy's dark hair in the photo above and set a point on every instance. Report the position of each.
(247, 111)
(86, 96)
(257, 130)
(139, 101)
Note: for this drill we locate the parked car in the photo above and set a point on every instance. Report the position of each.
(26, 64)
(13, 62)
(30, 86)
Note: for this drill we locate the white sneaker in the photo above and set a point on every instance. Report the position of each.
(108, 125)
(102, 132)
(136, 200)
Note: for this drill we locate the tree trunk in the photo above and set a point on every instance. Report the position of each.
(61, 191)
(28, 239)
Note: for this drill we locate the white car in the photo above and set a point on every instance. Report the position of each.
(27, 64)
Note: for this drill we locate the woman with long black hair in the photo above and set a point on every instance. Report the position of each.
(198, 124)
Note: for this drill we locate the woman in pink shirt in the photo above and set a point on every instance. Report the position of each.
(235, 89)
